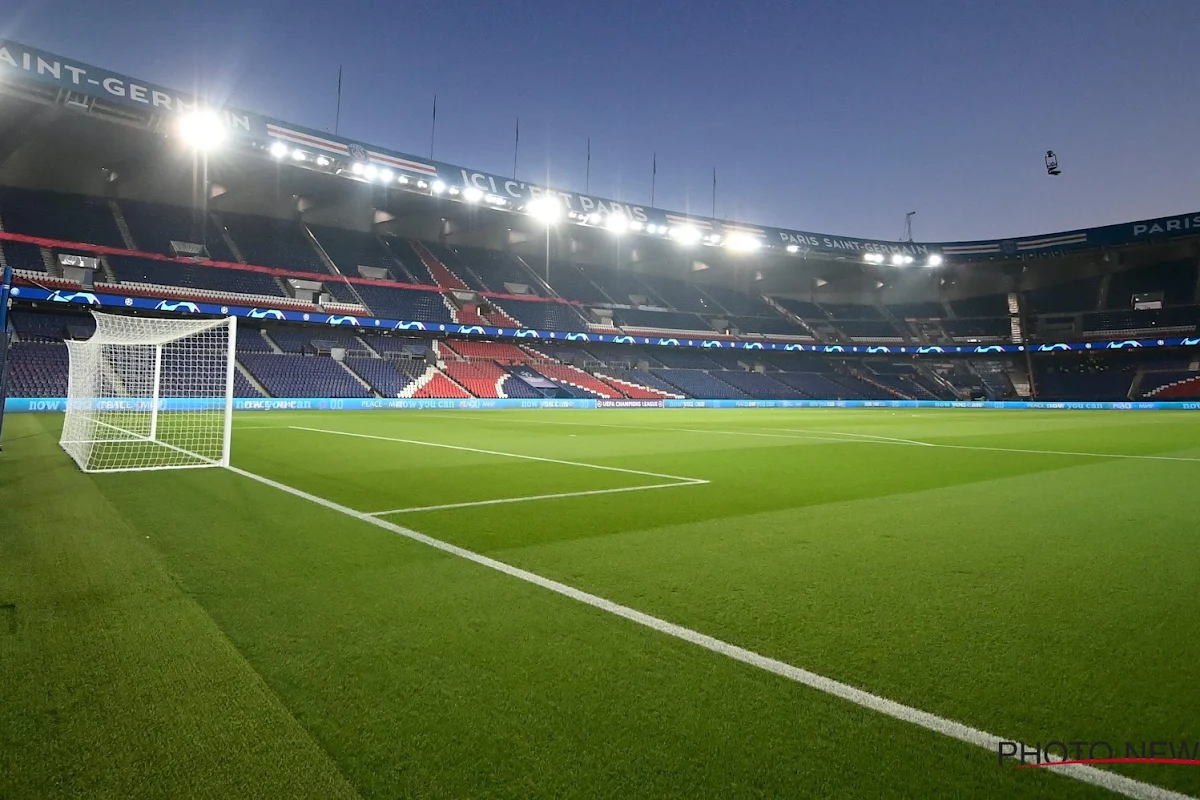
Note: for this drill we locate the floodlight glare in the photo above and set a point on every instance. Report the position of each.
(473, 194)
(322, 161)
(386, 175)
(370, 172)
(279, 149)
(422, 185)
(743, 243)
(635, 225)
(546, 209)
(935, 260)
(357, 168)
(873, 258)
(438, 187)
(713, 238)
(617, 223)
(793, 248)
(908, 259)
(202, 130)
(299, 155)
(455, 191)
(685, 234)
(897, 260)
(403, 179)
(594, 218)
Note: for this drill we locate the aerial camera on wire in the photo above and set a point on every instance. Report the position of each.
(1052, 163)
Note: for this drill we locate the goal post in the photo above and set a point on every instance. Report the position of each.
(146, 393)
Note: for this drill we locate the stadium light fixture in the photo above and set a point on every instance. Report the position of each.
(743, 243)
(299, 155)
(686, 234)
(713, 238)
(546, 209)
(357, 169)
(439, 187)
(472, 194)
(386, 175)
(873, 258)
(322, 161)
(203, 130)
(897, 260)
(455, 191)
(403, 179)
(422, 185)
(370, 171)
(934, 260)
(617, 223)
(634, 225)
(793, 248)
(594, 218)
(279, 149)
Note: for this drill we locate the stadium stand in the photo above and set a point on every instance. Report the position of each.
(38, 369)
(132, 269)
(570, 281)
(639, 319)
(270, 242)
(392, 302)
(155, 226)
(990, 305)
(1077, 295)
(350, 250)
(67, 217)
(698, 383)
(542, 316)
(490, 351)
(289, 375)
(387, 378)
(23, 255)
(759, 385)
(578, 379)
(1175, 280)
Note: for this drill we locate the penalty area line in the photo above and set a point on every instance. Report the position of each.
(1120, 784)
(506, 500)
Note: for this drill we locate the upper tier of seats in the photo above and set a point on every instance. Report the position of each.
(694, 303)
(154, 227)
(67, 217)
(272, 242)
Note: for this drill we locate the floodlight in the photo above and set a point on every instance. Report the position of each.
(439, 187)
(422, 185)
(299, 155)
(279, 149)
(594, 218)
(370, 172)
(202, 130)
(357, 168)
(386, 175)
(403, 179)
(934, 260)
(713, 238)
(546, 209)
(897, 259)
(635, 225)
(793, 248)
(743, 243)
(617, 223)
(455, 191)
(873, 258)
(322, 161)
(473, 194)
(685, 234)
(908, 260)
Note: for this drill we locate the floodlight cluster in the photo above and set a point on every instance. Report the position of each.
(205, 130)
(902, 259)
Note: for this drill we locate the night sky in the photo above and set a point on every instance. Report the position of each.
(828, 117)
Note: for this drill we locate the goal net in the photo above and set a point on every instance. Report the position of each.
(151, 394)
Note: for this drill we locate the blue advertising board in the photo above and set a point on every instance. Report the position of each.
(100, 300)
(59, 404)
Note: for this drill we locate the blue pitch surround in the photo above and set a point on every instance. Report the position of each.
(18, 405)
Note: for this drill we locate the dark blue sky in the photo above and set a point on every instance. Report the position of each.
(830, 117)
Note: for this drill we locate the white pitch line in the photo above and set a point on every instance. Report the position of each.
(497, 453)
(506, 500)
(831, 434)
(1119, 784)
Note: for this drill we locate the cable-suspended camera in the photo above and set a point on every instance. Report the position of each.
(1052, 164)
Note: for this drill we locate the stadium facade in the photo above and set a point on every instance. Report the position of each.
(402, 278)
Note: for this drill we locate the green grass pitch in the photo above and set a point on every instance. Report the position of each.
(197, 633)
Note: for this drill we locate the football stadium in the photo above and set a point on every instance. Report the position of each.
(333, 471)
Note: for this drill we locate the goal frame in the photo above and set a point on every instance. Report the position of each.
(84, 410)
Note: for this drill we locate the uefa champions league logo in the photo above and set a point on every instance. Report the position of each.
(178, 305)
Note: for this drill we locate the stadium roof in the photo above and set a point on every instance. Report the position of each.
(407, 182)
